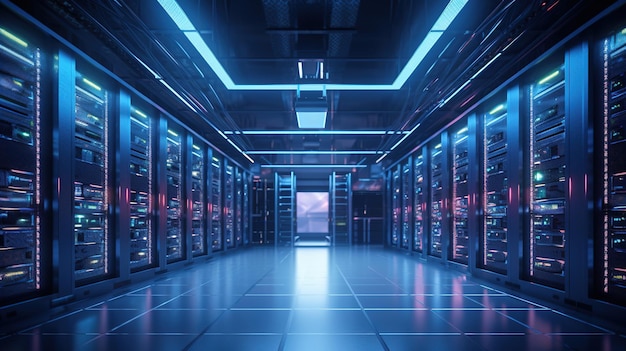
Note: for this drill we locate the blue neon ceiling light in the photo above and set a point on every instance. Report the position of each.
(442, 23)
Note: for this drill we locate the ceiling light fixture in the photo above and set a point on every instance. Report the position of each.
(178, 15)
(311, 113)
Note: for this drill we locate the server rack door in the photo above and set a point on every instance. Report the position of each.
(92, 197)
(216, 203)
(229, 189)
(547, 236)
(494, 249)
(396, 206)
(20, 168)
(459, 250)
(258, 210)
(247, 180)
(612, 238)
(407, 204)
(198, 198)
(285, 212)
(419, 202)
(436, 200)
(175, 246)
(142, 240)
(238, 207)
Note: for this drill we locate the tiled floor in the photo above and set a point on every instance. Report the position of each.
(314, 298)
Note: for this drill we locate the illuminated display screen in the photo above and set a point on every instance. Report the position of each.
(312, 212)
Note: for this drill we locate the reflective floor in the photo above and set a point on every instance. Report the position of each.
(314, 298)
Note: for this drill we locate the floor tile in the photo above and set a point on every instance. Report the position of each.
(131, 302)
(447, 301)
(170, 321)
(390, 302)
(376, 289)
(481, 321)
(264, 302)
(546, 321)
(202, 302)
(236, 342)
(324, 301)
(86, 321)
(158, 342)
(326, 342)
(503, 302)
(418, 321)
(530, 342)
(251, 322)
(430, 343)
(329, 321)
(38, 342)
(593, 342)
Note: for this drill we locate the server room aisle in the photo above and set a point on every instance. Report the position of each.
(314, 298)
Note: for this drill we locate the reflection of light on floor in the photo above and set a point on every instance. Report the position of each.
(315, 243)
(312, 272)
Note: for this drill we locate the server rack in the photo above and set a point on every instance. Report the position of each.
(246, 209)
(198, 198)
(91, 181)
(612, 236)
(238, 207)
(142, 241)
(436, 200)
(406, 203)
(285, 213)
(20, 169)
(459, 250)
(175, 250)
(341, 208)
(494, 240)
(216, 204)
(259, 210)
(396, 204)
(229, 202)
(547, 236)
(419, 202)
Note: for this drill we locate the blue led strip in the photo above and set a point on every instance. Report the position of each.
(178, 15)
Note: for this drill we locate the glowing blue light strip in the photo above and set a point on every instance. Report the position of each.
(381, 157)
(315, 152)
(313, 166)
(442, 23)
(316, 132)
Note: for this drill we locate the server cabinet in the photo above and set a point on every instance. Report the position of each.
(229, 202)
(238, 207)
(612, 231)
(142, 241)
(20, 168)
(341, 208)
(285, 213)
(260, 195)
(92, 198)
(396, 206)
(175, 249)
(437, 200)
(419, 202)
(494, 239)
(459, 248)
(198, 198)
(246, 208)
(216, 203)
(547, 236)
(407, 204)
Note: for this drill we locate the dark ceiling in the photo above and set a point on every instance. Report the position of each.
(359, 41)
